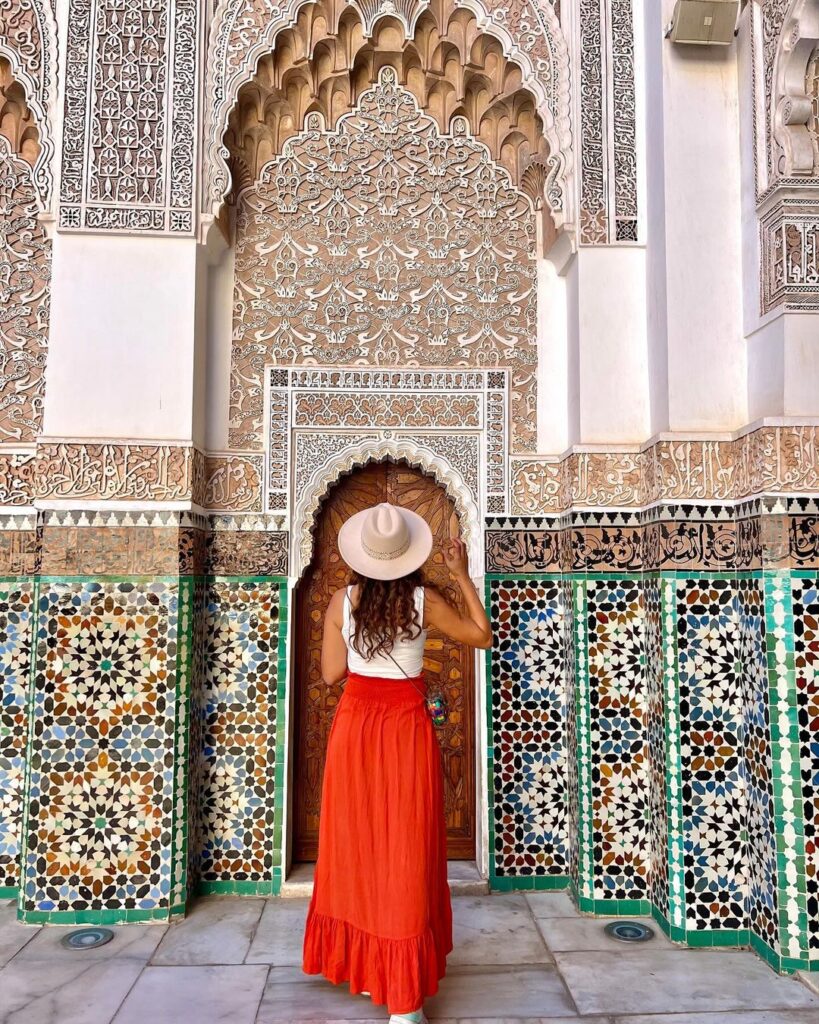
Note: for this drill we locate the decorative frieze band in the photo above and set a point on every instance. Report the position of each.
(137, 471)
(780, 459)
(779, 533)
(768, 460)
(140, 471)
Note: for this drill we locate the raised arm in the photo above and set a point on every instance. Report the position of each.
(333, 648)
(472, 627)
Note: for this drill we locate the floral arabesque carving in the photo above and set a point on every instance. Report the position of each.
(383, 243)
(244, 31)
(25, 276)
(377, 450)
(28, 40)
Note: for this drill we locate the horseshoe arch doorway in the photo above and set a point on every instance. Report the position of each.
(451, 664)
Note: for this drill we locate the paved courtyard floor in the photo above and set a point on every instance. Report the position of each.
(517, 960)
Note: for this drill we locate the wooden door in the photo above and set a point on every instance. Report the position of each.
(449, 664)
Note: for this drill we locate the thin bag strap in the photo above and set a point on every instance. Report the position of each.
(407, 677)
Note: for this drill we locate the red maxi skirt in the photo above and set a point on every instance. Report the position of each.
(380, 917)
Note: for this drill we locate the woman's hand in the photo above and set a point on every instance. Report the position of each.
(454, 552)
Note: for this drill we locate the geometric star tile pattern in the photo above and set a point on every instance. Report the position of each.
(527, 729)
(806, 666)
(101, 802)
(761, 836)
(617, 698)
(238, 844)
(16, 601)
(656, 726)
(710, 712)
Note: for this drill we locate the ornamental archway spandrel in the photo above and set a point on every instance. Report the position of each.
(529, 31)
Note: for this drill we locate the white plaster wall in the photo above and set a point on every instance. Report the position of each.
(552, 383)
(702, 221)
(783, 377)
(766, 370)
(219, 334)
(654, 203)
(801, 375)
(121, 347)
(572, 354)
(612, 361)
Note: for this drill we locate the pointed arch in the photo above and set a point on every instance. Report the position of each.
(378, 450)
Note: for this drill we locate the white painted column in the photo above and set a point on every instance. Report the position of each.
(694, 270)
(607, 362)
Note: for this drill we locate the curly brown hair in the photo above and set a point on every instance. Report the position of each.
(386, 610)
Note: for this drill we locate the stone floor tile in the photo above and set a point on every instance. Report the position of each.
(563, 934)
(291, 995)
(13, 933)
(668, 981)
(217, 930)
(732, 1017)
(130, 941)
(279, 934)
(462, 871)
(495, 930)
(551, 904)
(495, 991)
(66, 991)
(199, 995)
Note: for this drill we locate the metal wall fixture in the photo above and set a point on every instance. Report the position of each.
(704, 22)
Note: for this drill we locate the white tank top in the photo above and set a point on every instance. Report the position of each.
(408, 653)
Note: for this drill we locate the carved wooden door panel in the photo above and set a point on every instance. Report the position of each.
(448, 664)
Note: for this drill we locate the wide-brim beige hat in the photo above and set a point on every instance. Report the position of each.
(385, 542)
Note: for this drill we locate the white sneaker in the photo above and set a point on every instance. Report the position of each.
(408, 1018)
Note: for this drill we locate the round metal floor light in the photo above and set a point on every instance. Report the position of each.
(629, 931)
(87, 938)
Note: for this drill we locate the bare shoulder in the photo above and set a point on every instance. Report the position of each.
(334, 608)
(432, 597)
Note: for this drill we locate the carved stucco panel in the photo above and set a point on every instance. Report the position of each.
(25, 296)
(110, 471)
(233, 482)
(131, 92)
(383, 243)
(535, 486)
(608, 122)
